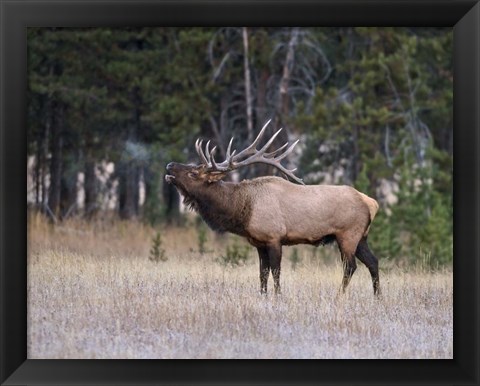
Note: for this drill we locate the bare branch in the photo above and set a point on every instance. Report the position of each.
(218, 136)
(218, 70)
(387, 146)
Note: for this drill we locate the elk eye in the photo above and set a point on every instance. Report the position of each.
(192, 174)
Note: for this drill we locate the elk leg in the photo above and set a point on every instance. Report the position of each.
(349, 267)
(264, 268)
(365, 255)
(347, 248)
(275, 257)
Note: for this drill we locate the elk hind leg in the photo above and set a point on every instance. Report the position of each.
(347, 248)
(365, 255)
(349, 267)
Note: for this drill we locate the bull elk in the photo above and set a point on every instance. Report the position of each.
(271, 212)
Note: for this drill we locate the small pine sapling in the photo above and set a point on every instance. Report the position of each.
(157, 253)
(202, 239)
(235, 255)
(294, 258)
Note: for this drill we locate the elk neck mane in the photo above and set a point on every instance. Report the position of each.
(224, 206)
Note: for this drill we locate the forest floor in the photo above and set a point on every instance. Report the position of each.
(93, 293)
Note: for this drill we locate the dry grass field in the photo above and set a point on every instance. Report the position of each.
(93, 293)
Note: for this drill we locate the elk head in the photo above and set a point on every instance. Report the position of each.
(188, 178)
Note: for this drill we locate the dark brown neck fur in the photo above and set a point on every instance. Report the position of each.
(224, 206)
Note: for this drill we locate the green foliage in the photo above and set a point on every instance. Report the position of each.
(157, 253)
(202, 238)
(154, 209)
(425, 214)
(385, 90)
(435, 236)
(235, 255)
(419, 227)
(385, 236)
(154, 206)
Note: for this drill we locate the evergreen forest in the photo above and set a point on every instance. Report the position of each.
(108, 108)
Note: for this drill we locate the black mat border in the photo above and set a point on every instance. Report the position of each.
(16, 15)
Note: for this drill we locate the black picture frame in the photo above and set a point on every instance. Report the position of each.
(16, 16)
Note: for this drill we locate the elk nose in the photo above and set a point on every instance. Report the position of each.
(170, 166)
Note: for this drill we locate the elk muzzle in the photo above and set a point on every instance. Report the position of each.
(169, 177)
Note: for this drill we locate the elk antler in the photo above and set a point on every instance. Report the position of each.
(251, 153)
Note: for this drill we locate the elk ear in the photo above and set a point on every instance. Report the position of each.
(214, 177)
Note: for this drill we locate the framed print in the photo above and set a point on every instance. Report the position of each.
(71, 103)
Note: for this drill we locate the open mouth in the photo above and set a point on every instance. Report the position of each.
(169, 178)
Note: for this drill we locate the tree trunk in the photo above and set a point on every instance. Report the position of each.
(261, 109)
(68, 189)
(68, 202)
(136, 189)
(127, 191)
(129, 168)
(171, 198)
(43, 159)
(56, 161)
(90, 187)
(283, 107)
(248, 87)
(37, 171)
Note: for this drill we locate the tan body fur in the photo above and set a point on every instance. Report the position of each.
(296, 214)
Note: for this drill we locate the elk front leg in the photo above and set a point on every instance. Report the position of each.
(264, 268)
(275, 257)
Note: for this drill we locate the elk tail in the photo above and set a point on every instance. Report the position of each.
(372, 208)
